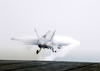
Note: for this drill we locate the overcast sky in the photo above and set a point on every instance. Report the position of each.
(79, 19)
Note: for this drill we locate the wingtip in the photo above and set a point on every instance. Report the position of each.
(12, 38)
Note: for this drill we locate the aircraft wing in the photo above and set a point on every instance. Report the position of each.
(31, 42)
(27, 41)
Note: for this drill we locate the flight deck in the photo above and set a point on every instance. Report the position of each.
(17, 65)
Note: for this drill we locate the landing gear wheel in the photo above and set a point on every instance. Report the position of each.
(59, 47)
(37, 52)
(55, 51)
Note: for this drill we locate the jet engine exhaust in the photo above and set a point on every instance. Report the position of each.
(43, 46)
(40, 45)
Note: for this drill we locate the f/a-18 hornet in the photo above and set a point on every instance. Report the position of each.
(48, 41)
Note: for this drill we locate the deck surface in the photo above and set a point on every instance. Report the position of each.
(11, 65)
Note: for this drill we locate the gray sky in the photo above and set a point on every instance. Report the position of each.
(79, 19)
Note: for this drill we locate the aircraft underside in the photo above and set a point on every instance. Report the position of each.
(45, 47)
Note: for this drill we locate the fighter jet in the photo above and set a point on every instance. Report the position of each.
(48, 41)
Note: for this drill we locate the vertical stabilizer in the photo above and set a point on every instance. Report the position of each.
(52, 35)
(37, 34)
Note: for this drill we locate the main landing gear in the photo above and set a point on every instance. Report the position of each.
(53, 49)
(47, 48)
(38, 51)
